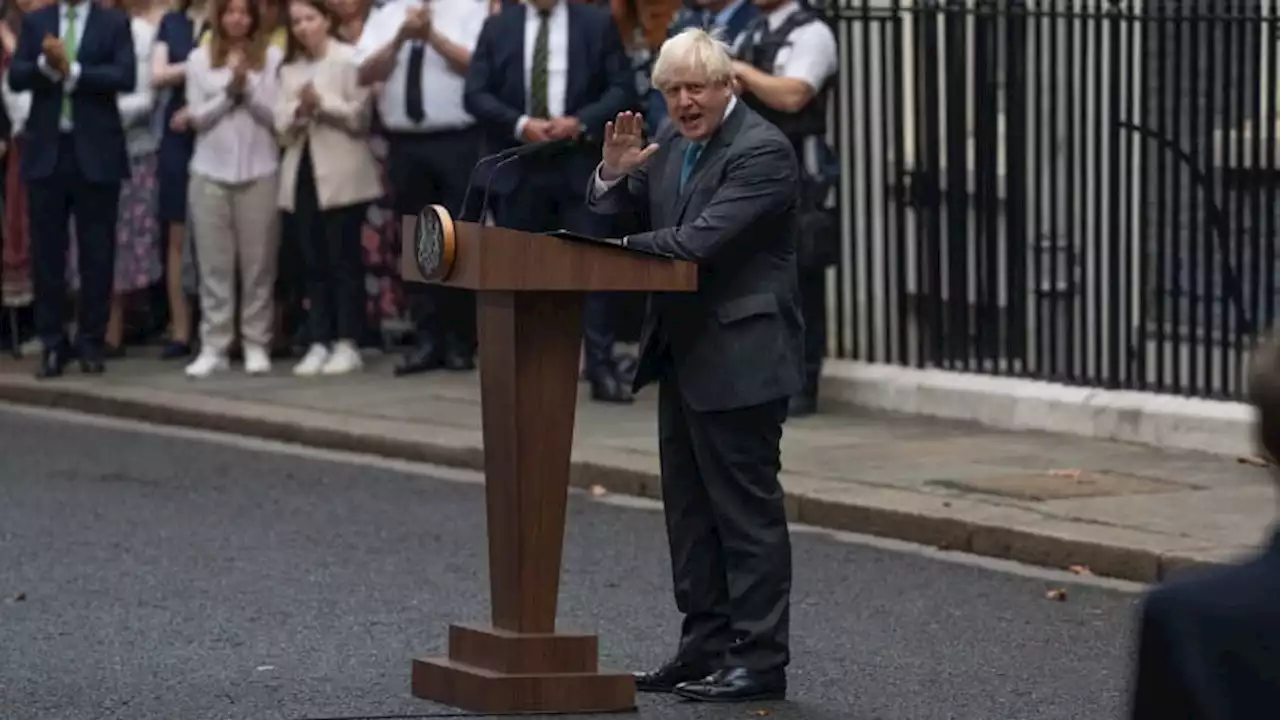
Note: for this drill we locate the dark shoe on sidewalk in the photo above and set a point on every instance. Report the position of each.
(666, 678)
(736, 685)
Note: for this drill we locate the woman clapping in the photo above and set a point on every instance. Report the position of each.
(328, 177)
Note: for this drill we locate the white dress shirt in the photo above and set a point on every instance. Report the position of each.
(234, 143)
(137, 107)
(460, 21)
(83, 8)
(557, 60)
(810, 53)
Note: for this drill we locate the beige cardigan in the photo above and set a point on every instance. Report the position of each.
(345, 170)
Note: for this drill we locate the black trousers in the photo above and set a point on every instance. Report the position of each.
(52, 202)
(813, 308)
(333, 266)
(432, 168)
(727, 527)
(544, 202)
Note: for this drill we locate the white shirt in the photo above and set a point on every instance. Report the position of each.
(458, 20)
(810, 53)
(557, 60)
(69, 83)
(136, 107)
(234, 144)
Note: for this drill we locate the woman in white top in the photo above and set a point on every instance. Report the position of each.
(327, 178)
(231, 94)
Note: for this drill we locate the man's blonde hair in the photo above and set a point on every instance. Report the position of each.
(696, 50)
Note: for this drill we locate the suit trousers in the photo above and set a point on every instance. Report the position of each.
(53, 202)
(727, 528)
(432, 168)
(235, 225)
(333, 263)
(813, 307)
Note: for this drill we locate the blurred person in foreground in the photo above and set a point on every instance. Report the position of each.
(1209, 644)
(722, 184)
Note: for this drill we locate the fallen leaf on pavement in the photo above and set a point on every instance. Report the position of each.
(1080, 569)
(1253, 460)
(1057, 594)
(598, 491)
(761, 713)
(17, 598)
(1068, 472)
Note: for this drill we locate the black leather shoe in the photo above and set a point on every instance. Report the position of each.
(666, 678)
(52, 363)
(736, 685)
(421, 359)
(605, 387)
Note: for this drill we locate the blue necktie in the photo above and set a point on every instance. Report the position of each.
(691, 153)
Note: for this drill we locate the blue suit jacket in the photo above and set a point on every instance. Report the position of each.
(107, 68)
(1210, 645)
(599, 84)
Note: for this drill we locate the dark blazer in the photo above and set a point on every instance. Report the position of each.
(107, 68)
(599, 86)
(737, 341)
(1210, 645)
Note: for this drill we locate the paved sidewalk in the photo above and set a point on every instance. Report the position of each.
(1119, 510)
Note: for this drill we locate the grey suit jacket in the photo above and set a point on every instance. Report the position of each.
(737, 341)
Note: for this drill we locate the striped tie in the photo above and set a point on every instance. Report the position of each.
(538, 105)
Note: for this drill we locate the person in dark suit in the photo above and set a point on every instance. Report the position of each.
(75, 58)
(722, 187)
(1209, 643)
(553, 70)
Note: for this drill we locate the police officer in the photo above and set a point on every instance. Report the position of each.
(786, 68)
(729, 19)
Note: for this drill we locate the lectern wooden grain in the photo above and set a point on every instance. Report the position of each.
(529, 313)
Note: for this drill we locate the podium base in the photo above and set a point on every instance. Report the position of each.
(497, 671)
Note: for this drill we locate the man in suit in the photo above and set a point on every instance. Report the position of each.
(722, 187)
(544, 71)
(419, 52)
(75, 58)
(1209, 644)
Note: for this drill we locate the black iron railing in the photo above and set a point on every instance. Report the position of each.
(1083, 192)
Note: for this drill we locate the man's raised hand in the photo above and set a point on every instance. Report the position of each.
(624, 148)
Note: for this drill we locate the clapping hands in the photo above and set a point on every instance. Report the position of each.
(308, 101)
(55, 54)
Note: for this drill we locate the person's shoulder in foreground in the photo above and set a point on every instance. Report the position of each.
(1209, 642)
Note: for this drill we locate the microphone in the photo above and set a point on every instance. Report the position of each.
(503, 158)
(508, 156)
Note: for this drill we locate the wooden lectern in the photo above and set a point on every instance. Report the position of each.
(529, 291)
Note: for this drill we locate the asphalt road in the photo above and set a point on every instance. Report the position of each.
(182, 579)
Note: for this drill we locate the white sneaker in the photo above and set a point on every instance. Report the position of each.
(311, 363)
(207, 363)
(344, 359)
(256, 360)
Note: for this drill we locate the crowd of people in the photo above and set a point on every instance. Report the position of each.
(228, 175)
